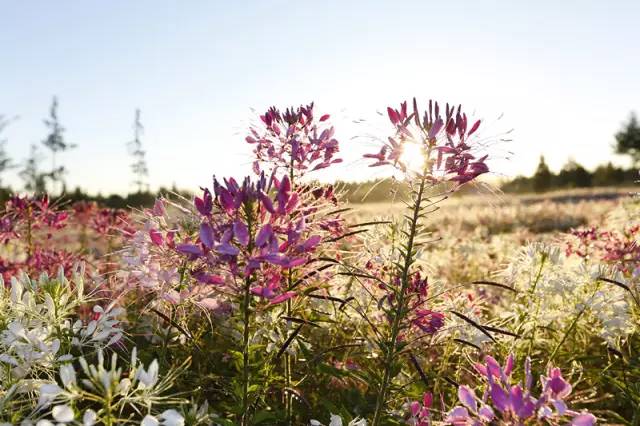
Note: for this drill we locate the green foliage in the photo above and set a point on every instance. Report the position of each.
(542, 178)
(628, 139)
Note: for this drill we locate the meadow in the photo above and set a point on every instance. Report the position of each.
(271, 301)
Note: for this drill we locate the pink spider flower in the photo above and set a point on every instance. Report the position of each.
(515, 403)
(421, 318)
(293, 139)
(445, 141)
(619, 249)
(420, 411)
(257, 230)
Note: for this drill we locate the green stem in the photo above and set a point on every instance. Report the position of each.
(287, 369)
(391, 347)
(572, 326)
(244, 421)
(246, 323)
(29, 234)
(287, 358)
(531, 295)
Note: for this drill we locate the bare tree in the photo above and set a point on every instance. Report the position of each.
(34, 179)
(6, 163)
(139, 165)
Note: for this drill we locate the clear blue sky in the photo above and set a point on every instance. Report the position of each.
(564, 73)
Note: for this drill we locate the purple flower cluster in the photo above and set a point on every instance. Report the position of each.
(419, 318)
(420, 411)
(445, 142)
(257, 230)
(515, 403)
(293, 140)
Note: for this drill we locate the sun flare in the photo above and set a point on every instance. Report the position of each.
(413, 156)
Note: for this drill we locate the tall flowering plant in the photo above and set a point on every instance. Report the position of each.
(295, 143)
(254, 245)
(449, 159)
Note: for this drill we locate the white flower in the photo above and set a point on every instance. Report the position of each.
(335, 420)
(48, 392)
(149, 421)
(172, 418)
(89, 418)
(167, 418)
(150, 377)
(62, 413)
(67, 375)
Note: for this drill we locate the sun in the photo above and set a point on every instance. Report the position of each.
(412, 156)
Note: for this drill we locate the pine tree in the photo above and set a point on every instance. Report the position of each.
(628, 140)
(542, 179)
(139, 165)
(55, 143)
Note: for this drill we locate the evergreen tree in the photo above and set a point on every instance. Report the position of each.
(628, 140)
(607, 175)
(55, 143)
(139, 165)
(573, 175)
(543, 177)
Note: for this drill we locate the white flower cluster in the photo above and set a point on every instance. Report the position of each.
(36, 328)
(108, 388)
(554, 290)
(143, 267)
(39, 330)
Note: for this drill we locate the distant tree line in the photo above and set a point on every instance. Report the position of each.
(573, 175)
(38, 180)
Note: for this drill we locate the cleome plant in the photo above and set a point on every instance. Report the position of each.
(268, 300)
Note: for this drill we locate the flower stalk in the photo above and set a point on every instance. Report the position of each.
(392, 345)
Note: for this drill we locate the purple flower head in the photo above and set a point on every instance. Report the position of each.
(206, 235)
(445, 140)
(189, 249)
(204, 205)
(156, 237)
(555, 385)
(428, 321)
(259, 228)
(294, 141)
(511, 402)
